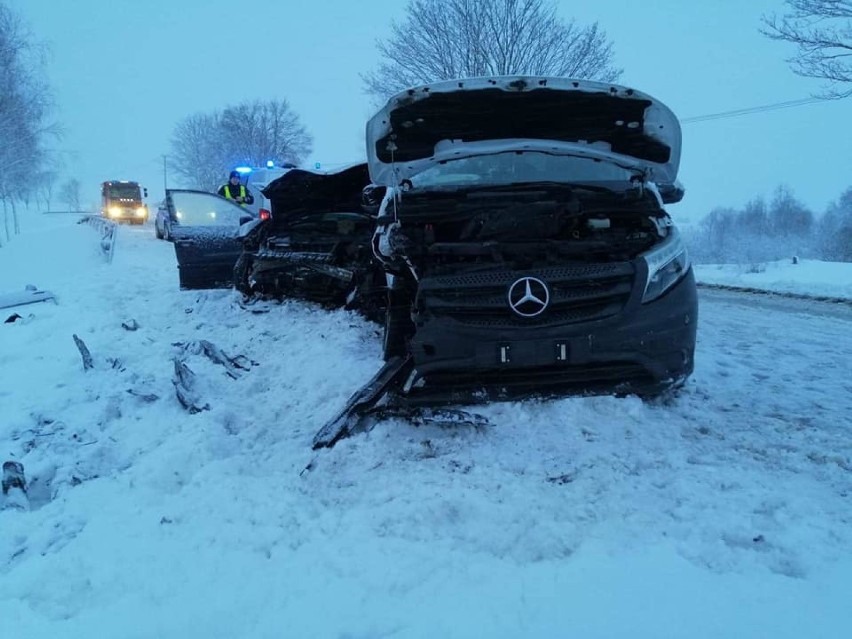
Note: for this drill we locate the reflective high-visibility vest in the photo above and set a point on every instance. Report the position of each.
(242, 193)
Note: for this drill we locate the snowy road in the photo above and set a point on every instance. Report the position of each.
(725, 512)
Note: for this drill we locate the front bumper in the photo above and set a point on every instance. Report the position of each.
(649, 344)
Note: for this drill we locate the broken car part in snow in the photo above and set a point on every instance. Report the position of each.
(148, 398)
(184, 383)
(84, 353)
(130, 325)
(185, 379)
(13, 476)
(30, 295)
(380, 399)
(14, 486)
(347, 420)
(234, 366)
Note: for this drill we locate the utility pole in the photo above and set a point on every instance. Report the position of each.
(165, 182)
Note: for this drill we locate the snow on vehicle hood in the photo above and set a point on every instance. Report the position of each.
(425, 125)
(307, 191)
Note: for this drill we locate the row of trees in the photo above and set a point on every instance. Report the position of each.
(783, 227)
(25, 129)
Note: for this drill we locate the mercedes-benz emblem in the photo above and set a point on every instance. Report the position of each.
(528, 297)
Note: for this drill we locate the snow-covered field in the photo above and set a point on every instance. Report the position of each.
(726, 512)
(809, 277)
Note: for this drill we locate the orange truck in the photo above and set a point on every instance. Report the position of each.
(122, 201)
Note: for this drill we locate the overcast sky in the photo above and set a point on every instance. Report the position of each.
(125, 71)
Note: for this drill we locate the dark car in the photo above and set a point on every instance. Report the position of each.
(527, 240)
(205, 229)
(315, 241)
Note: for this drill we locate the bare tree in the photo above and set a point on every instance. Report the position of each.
(835, 229)
(822, 32)
(448, 39)
(205, 146)
(198, 151)
(265, 130)
(69, 193)
(45, 183)
(788, 216)
(24, 107)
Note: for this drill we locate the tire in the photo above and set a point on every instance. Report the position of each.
(242, 270)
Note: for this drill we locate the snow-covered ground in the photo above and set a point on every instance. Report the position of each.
(723, 513)
(809, 277)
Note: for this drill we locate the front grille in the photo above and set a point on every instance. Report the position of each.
(578, 293)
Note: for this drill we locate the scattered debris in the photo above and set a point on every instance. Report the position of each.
(13, 477)
(84, 353)
(561, 480)
(30, 295)
(233, 365)
(130, 325)
(14, 486)
(14, 317)
(184, 382)
(149, 398)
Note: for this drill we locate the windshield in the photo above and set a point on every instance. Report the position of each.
(523, 166)
(124, 191)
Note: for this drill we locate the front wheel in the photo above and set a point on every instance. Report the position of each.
(242, 270)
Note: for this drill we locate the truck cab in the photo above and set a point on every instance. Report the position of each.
(122, 201)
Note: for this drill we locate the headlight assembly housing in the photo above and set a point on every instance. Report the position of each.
(668, 263)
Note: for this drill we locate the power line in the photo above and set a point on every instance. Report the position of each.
(748, 111)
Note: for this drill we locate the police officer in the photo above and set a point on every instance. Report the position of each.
(236, 190)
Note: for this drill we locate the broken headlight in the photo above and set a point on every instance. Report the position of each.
(667, 263)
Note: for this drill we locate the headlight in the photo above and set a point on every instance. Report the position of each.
(667, 264)
(141, 211)
(114, 211)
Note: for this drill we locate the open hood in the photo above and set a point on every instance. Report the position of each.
(300, 191)
(454, 119)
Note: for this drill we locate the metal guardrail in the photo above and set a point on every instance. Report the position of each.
(108, 231)
(762, 291)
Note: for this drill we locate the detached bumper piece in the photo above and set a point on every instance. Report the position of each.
(30, 295)
(382, 398)
(392, 374)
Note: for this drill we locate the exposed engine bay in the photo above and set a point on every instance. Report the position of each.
(520, 227)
